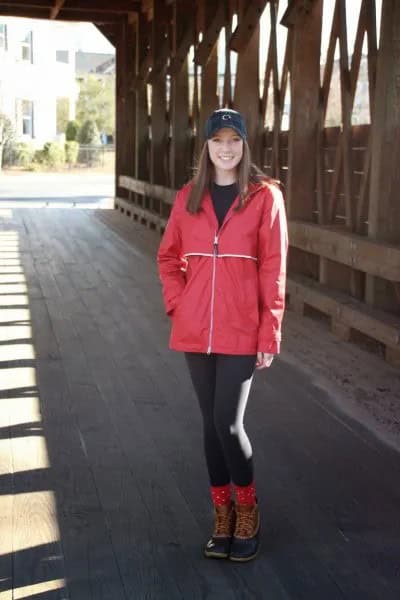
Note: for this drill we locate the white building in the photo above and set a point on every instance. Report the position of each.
(37, 77)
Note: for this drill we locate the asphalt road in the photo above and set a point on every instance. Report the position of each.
(83, 190)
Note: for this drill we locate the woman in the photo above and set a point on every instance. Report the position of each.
(222, 263)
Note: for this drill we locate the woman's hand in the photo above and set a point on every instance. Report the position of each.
(264, 360)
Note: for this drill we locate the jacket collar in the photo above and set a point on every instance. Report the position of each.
(208, 208)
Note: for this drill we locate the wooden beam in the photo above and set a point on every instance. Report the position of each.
(158, 122)
(109, 31)
(117, 6)
(126, 100)
(209, 73)
(304, 114)
(159, 63)
(180, 158)
(180, 55)
(352, 250)
(142, 117)
(345, 248)
(73, 15)
(246, 95)
(296, 11)
(345, 92)
(146, 216)
(384, 206)
(384, 213)
(159, 192)
(143, 71)
(376, 324)
(56, 8)
(210, 36)
(247, 25)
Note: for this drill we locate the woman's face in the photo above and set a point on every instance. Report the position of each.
(225, 148)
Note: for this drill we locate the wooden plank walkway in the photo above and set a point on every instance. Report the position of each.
(103, 488)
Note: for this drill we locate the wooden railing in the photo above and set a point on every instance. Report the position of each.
(150, 204)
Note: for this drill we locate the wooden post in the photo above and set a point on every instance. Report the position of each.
(247, 90)
(158, 151)
(183, 19)
(384, 205)
(142, 118)
(208, 87)
(125, 113)
(304, 113)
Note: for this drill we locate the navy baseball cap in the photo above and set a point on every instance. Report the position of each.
(225, 117)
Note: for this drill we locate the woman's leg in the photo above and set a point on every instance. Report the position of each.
(233, 381)
(234, 375)
(202, 369)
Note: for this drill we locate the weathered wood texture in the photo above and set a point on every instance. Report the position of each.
(192, 57)
(338, 247)
(384, 205)
(326, 170)
(103, 487)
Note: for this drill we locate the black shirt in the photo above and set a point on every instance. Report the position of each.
(222, 198)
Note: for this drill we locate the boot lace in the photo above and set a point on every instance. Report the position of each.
(223, 523)
(245, 524)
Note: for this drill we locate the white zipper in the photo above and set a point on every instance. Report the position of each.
(214, 257)
(215, 254)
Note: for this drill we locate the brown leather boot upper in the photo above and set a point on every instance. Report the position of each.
(247, 521)
(224, 520)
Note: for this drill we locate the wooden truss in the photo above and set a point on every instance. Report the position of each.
(177, 60)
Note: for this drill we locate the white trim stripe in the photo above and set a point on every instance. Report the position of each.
(198, 254)
(237, 256)
(220, 255)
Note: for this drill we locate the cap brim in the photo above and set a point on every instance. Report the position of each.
(214, 131)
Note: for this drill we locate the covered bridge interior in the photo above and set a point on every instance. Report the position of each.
(103, 486)
(177, 60)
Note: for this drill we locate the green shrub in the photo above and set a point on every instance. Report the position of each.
(89, 136)
(52, 155)
(72, 131)
(39, 157)
(24, 154)
(8, 143)
(89, 133)
(71, 152)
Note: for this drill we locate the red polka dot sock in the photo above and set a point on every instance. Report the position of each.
(246, 494)
(221, 494)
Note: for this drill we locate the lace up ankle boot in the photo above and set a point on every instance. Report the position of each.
(218, 545)
(245, 541)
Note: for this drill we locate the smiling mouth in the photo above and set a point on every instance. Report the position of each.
(226, 157)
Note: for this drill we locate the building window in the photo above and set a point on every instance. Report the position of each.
(26, 48)
(27, 117)
(62, 56)
(3, 37)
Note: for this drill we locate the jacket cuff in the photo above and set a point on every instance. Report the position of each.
(269, 348)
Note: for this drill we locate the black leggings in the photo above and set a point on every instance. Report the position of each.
(222, 384)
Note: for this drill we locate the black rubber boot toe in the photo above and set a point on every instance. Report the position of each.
(244, 550)
(218, 547)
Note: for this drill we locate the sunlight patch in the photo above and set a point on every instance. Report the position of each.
(17, 379)
(8, 278)
(16, 315)
(30, 591)
(16, 352)
(15, 332)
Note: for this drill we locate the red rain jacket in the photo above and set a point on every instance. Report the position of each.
(225, 289)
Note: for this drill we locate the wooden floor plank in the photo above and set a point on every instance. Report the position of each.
(101, 442)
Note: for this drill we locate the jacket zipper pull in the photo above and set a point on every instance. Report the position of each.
(216, 245)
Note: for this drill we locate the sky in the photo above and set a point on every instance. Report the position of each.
(89, 39)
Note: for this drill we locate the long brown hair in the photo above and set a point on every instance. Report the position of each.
(247, 173)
